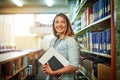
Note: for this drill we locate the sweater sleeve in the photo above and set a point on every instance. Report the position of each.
(73, 52)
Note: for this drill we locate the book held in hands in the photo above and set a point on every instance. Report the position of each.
(55, 60)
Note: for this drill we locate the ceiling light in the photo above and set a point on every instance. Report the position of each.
(49, 2)
(18, 3)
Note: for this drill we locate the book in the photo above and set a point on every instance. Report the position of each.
(104, 71)
(54, 59)
(108, 41)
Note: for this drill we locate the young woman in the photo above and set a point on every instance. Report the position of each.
(66, 43)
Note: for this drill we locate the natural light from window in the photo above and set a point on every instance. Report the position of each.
(24, 21)
(22, 24)
(45, 18)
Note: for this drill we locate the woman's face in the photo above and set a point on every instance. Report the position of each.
(60, 25)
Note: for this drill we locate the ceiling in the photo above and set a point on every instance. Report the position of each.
(33, 7)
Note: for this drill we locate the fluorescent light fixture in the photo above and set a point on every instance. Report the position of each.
(49, 2)
(18, 3)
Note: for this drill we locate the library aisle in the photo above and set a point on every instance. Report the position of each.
(40, 75)
(26, 31)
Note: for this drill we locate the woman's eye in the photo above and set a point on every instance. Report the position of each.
(59, 21)
(63, 21)
(56, 21)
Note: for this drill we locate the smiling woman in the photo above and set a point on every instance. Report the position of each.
(66, 43)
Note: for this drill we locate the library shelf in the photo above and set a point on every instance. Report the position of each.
(94, 24)
(17, 71)
(96, 53)
(81, 7)
(6, 50)
(19, 65)
(82, 76)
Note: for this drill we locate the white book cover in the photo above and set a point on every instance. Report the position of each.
(55, 60)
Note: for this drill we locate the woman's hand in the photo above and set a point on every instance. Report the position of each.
(46, 69)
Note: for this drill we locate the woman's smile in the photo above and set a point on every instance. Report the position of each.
(60, 25)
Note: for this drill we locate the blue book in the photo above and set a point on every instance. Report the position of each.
(27, 61)
(99, 42)
(108, 41)
(101, 8)
(96, 40)
(93, 42)
(96, 44)
(97, 8)
(108, 7)
(103, 42)
(95, 11)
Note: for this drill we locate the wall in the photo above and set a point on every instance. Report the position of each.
(28, 42)
(46, 41)
(25, 42)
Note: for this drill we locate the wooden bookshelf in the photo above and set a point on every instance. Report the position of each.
(6, 50)
(14, 65)
(82, 6)
(81, 72)
(101, 24)
(94, 26)
(96, 53)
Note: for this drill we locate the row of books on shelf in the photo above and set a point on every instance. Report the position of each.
(97, 41)
(77, 4)
(99, 10)
(76, 26)
(6, 47)
(95, 69)
(87, 17)
(24, 64)
(22, 75)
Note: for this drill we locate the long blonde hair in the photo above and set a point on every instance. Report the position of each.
(69, 31)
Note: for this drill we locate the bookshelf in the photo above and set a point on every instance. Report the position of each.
(18, 65)
(80, 8)
(6, 50)
(95, 25)
(96, 21)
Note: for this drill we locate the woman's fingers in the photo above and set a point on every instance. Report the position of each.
(44, 68)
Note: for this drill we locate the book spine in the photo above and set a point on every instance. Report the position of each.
(104, 42)
(100, 9)
(99, 42)
(97, 10)
(108, 41)
(94, 11)
(91, 32)
(27, 61)
(108, 7)
(93, 42)
(89, 12)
